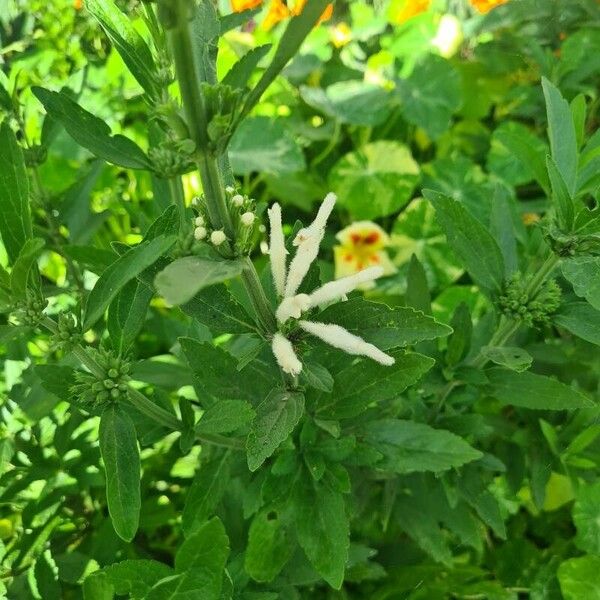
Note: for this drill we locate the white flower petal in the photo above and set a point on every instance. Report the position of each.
(337, 290)
(305, 256)
(277, 251)
(341, 338)
(285, 356)
(292, 308)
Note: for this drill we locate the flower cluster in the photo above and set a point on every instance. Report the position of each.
(516, 303)
(279, 10)
(245, 221)
(30, 310)
(292, 304)
(68, 333)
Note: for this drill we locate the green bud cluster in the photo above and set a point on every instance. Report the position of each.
(568, 245)
(516, 303)
(31, 310)
(223, 105)
(68, 334)
(110, 386)
(172, 158)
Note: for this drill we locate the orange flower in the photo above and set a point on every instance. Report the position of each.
(409, 9)
(78, 4)
(484, 6)
(279, 10)
(242, 5)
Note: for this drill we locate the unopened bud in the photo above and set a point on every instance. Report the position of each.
(248, 218)
(199, 221)
(218, 237)
(200, 233)
(238, 200)
(230, 189)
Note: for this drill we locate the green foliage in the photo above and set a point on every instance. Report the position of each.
(172, 427)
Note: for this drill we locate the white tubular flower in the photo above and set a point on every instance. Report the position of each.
(341, 338)
(247, 219)
(218, 237)
(337, 290)
(292, 308)
(324, 211)
(200, 233)
(277, 251)
(285, 356)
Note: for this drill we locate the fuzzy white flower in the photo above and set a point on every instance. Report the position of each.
(308, 242)
(341, 338)
(337, 290)
(230, 189)
(199, 221)
(292, 308)
(218, 237)
(200, 233)
(285, 356)
(247, 219)
(238, 200)
(277, 251)
(293, 305)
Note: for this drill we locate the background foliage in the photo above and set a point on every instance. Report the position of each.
(469, 474)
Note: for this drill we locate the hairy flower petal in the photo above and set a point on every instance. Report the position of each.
(284, 355)
(292, 308)
(277, 251)
(341, 338)
(336, 290)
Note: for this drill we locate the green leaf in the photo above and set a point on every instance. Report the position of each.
(91, 132)
(431, 95)
(27, 258)
(586, 516)
(579, 111)
(561, 198)
(366, 381)
(135, 577)
(515, 359)
(202, 558)
(470, 240)
(584, 274)
(123, 270)
(216, 374)
(384, 326)
(459, 343)
(242, 70)
(503, 230)
(580, 319)
(561, 132)
(15, 217)
(7, 449)
(291, 40)
(417, 295)
(265, 145)
(127, 314)
(216, 308)
(352, 101)
(121, 457)
(276, 417)
(206, 491)
(236, 19)
(185, 277)
(204, 33)
(57, 380)
(270, 546)
(383, 171)
(409, 447)
(225, 416)
(129, 43)
(46, 577)
(529, 390)
(316, 376)
(580, 578)
(322, 529)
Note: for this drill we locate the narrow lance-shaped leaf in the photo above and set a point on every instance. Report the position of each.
(19, 276)
(119, 448)
(91, 132)
(129, 43)
(123, 270)
(470, 240)
(240, 73)
(561, 198)
(15, 218)
(561, 131)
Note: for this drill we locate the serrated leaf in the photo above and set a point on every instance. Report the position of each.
(135, 577)
(185, 277)
(470, 240)
(15, 216)
(276, 417)
(121, 457)
(584, 274)
(580, 319)
(409, 447)
(561, 197)
(316, 376)
(121, 272)
(91, 132)
(238, 76)
(515, 359)
(129, 43)
(529, 390)
(225, 416)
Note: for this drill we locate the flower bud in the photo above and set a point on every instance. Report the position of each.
(200, 233)
(218, 237)
(238, 200)
(199, 221)
(230, 189)
(248, 219)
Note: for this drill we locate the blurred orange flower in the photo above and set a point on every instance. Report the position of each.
(410, 9)
(242, 5)
(484, 6)
(77, 4)
(361, 245)
(279, 10)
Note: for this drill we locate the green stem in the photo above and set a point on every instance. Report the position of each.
(257, 295)
(537, 281)
(178, 199)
